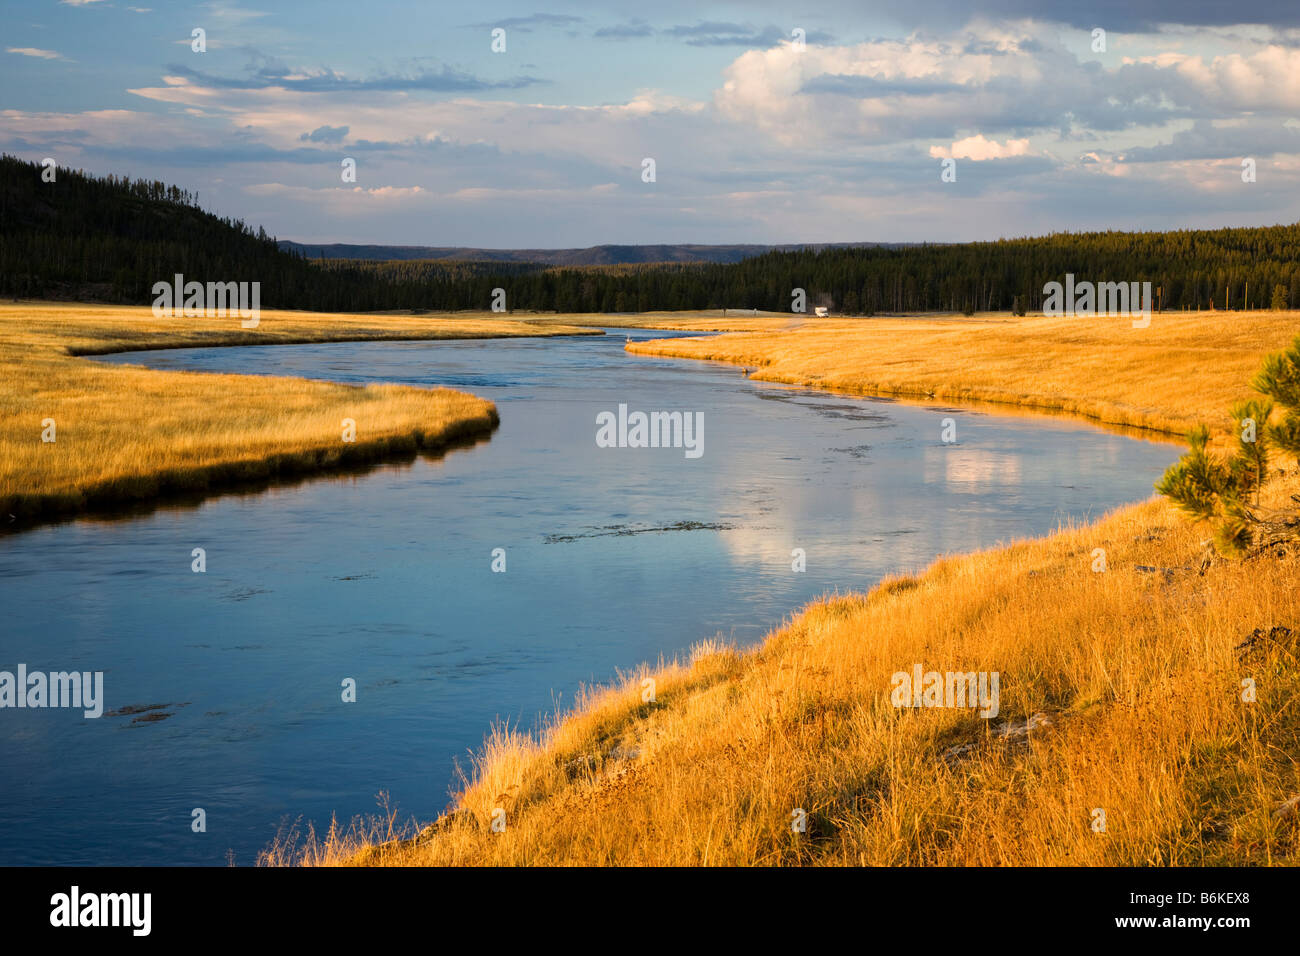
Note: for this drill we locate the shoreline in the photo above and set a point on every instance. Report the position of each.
(971, 398)
(112, 349)
(47, 355)
(116, 499)
(1098, 372)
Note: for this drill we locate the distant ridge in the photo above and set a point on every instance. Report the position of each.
(591, 256)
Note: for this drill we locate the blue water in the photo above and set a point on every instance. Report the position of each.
(385, 577)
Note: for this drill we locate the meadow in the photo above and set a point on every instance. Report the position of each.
(1147, 712)
(124, 435)
(1186, 367)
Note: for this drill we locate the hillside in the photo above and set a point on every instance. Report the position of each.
(109, 239)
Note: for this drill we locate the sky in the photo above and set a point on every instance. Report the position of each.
(766, 122)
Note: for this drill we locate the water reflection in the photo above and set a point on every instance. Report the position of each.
(972, 470)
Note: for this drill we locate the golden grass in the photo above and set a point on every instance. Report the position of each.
(125, 434)
(1138, 673)
(1185, 367)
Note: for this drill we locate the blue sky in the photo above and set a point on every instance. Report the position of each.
(754, 139)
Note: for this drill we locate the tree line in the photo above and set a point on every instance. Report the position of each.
(111, 238)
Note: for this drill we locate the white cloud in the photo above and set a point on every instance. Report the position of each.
(231, 13)
(98, 128)
(978, 148)
(996, 81)
(357, 196)
(619, 135)
(892, 90)
(1267, 79)
(346, 193)
(33, 51)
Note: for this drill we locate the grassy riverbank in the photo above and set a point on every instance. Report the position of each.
(1186, 367)
(125, 434)
(1121, 689)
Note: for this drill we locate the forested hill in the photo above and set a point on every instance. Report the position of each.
(111, 239)
(1189, 268)
(589, 256)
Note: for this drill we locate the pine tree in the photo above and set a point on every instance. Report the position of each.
(1225, 489)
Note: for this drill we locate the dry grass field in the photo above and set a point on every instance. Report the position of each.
(1122, 690)
(1185, 367)
(129, 434)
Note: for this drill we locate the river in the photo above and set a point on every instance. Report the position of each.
(613, 556)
